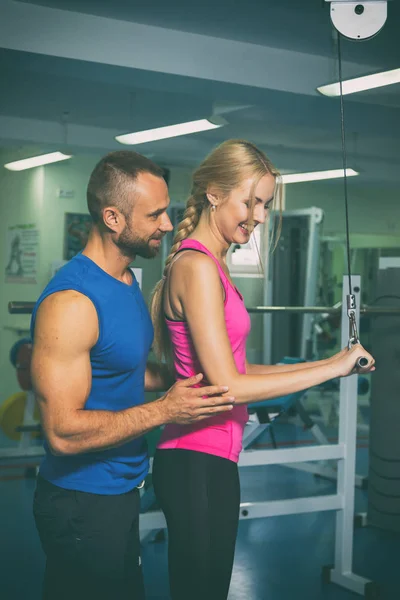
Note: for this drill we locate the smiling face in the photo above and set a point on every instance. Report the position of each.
(233, 217)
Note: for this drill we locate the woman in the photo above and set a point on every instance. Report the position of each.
(201, 324)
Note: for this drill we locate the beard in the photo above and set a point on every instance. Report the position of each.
(132, 245)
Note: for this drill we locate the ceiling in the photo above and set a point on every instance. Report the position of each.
(84, 71)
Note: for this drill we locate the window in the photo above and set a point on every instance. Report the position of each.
(246, 260)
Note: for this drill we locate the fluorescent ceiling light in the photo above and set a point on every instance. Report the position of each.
(359, 84)
(36, 161)
(317, 175)
(161, 133)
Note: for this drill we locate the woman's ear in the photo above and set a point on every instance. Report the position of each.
(212, 198)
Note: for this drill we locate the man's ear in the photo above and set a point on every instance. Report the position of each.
(113, 219)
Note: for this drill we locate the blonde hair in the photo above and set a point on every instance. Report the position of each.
(224, 169)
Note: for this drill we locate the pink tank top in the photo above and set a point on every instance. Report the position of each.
(220, 435)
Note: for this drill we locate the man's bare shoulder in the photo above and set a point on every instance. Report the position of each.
(67, 313)
(66, 300)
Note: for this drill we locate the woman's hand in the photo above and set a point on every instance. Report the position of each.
(345, 361)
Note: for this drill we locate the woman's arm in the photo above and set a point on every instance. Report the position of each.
(196, 285)
(283, 368)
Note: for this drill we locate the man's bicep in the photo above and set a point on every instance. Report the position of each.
(61, 382)
(65, 330)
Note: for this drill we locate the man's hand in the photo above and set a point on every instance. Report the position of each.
(184, 404)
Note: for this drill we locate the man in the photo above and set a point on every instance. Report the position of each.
(92, 334)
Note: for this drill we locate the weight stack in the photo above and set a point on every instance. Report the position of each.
(384, 459)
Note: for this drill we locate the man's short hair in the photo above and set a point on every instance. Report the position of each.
(112, 179)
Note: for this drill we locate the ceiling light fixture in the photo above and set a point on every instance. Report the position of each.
(170, 131)
(360, 84)
(36, 161)
(317, 175)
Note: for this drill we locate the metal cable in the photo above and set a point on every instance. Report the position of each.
(344, 158)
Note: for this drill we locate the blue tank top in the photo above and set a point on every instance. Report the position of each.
(118, 363)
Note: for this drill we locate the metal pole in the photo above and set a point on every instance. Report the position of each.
(21, 308)
(316, 216)
(329, 310)
(342, 573)
(26, 308)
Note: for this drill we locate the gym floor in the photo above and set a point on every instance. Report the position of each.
(278, 558)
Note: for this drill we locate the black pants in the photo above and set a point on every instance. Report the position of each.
(200, 496)
(91, 544)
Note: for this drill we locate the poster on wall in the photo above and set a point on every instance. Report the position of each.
(22, 254)
(77, 228)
